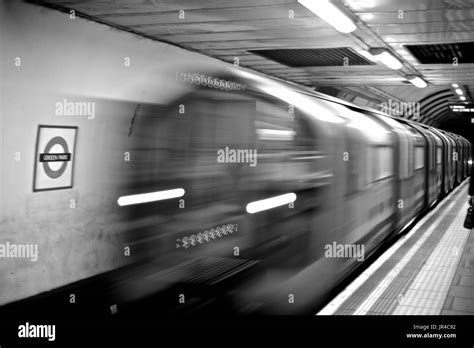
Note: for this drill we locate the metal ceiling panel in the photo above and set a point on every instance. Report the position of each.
(228, 29)
(340, 56)
(443, 53)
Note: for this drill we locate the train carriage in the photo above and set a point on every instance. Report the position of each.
(314, 172)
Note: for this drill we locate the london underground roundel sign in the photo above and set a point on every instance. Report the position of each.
(54, 160)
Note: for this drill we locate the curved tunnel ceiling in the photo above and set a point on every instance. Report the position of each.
(431, 103)
(435, 107)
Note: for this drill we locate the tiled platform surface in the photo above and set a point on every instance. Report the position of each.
(460, 299)
(428, 271)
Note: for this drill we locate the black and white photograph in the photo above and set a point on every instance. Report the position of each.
(236, 172)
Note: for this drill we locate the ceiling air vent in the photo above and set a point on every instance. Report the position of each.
(443, 53)
(306, 57)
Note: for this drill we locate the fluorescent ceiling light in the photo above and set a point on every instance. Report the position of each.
(269, 203)
(462, 98)
(386, 58)
(367, 55)
(418, 82)
(459, 91)
(330, 14)
(150, 197)
(455, 85)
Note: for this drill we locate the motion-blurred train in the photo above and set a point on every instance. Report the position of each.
(240, 184)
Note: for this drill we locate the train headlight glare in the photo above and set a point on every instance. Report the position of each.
(150, 197)
(269, 203)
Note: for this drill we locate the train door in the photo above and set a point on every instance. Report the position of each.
(419, 180)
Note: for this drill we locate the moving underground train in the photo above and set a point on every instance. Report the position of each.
(266, 194)
(193, 185)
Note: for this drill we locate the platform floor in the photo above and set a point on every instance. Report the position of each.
(428, 271)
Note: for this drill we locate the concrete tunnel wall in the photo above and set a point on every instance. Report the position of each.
(72, 59)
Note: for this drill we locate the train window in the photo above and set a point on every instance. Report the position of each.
(406, 167)
(382, 162)
(287, 150)
(419, 157)
(205, 148)
(220, 140)
(438, 155)
(275, 127)
(355, 165)
(412, 158)
(433, 156)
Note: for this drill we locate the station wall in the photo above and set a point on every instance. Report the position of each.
(54, 60)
